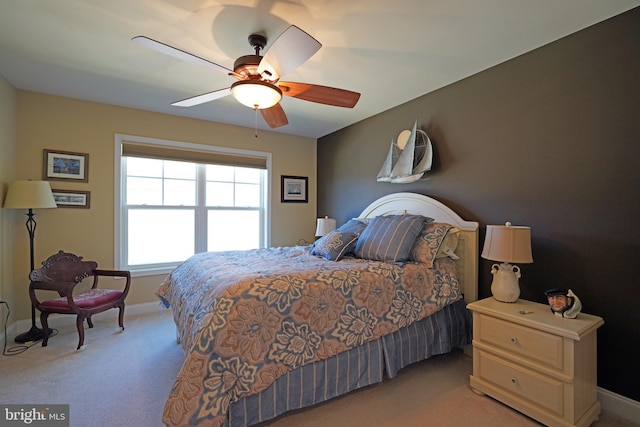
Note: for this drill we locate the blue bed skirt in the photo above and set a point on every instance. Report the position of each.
(367, 364)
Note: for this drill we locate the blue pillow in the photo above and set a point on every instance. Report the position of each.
(335, 245)
(352, 226)
(389, 238)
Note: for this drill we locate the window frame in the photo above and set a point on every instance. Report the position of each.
(120, 254)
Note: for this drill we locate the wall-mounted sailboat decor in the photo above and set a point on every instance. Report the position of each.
(408, 158)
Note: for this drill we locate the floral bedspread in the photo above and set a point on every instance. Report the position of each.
(247, 317)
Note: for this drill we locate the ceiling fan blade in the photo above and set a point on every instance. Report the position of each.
(201, 99)
(320, 94)
(179, 54)
(274, 116)
(288, 51)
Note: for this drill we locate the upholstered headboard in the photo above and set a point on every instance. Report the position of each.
(418, 204)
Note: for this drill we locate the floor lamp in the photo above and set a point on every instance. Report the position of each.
(30, 195)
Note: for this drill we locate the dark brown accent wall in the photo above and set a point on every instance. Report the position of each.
(550, 139)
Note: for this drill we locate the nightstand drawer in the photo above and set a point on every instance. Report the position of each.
(516, 380)
(531, 343)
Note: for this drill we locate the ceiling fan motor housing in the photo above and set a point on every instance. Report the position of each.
(247, 66)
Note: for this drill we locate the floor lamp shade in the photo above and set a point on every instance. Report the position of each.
(507, 244)
(29, 195)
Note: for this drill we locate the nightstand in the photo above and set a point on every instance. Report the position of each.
(536, 362)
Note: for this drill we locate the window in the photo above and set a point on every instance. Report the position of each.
(175, 199)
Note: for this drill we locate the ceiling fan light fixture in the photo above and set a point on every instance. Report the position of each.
(256, 93)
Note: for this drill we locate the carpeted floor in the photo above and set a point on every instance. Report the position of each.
(123, 379)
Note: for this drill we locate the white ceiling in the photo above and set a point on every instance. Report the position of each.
(389, 51)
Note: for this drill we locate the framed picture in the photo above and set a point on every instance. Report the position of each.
(294, 189)
(65, 165)
(72, 198)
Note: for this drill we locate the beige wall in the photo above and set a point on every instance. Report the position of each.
(7, 146)
(52, 122)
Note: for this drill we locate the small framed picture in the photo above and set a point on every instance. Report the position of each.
(72, 198)
(65, 165)
(294, 189)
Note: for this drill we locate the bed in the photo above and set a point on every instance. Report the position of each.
(271, 330)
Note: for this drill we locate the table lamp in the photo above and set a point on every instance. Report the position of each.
(325, 225)
(507, 244)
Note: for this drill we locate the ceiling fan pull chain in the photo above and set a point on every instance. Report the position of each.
(255, 108)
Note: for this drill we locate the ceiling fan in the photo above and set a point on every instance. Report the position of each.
(258, 84)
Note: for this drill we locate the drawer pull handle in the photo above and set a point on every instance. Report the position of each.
(514, 340)
(514, 381)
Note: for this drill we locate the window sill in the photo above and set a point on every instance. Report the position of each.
(151, 271)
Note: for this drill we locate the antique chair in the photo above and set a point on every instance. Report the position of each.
(64, 271)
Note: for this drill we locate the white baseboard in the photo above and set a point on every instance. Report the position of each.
(619, 405)
(57, 321)
(611, 402)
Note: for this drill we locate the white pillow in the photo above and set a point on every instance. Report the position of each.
(448, 246)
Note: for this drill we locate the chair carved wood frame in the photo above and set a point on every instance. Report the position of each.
(61, 273)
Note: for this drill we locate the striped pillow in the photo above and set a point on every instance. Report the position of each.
(389, 238)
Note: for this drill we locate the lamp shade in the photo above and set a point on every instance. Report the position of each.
(325, 225)
(507, 243)
(256, 93)
(29, 195)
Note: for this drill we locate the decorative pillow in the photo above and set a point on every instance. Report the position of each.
(365, 220)
(352, 226)
(449, 244)
(428, 245)
(335, 245)
(389, 238)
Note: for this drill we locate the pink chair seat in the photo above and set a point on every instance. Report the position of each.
(87, 299)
